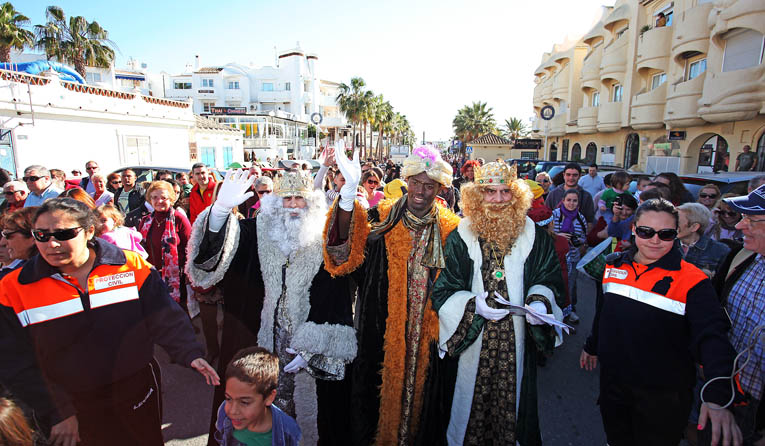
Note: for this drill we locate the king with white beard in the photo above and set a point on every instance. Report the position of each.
(278, 295)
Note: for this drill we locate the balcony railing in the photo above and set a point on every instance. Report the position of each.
(648, 109)
(591, 68)
(558, 125)
(691, 32)
(610, 116)
(560, 83)
(653, 48)
(587, 120)
(614, 62)
(682, 109)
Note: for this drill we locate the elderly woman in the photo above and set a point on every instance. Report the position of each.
(165, 234)
(94, 313)
(17, 237)
(660, 315)
(697, 248)
(114, 182)
(100, 194)
(726, 219)
(263, 186)
(544, 180)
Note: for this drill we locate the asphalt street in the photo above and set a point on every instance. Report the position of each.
(568, 412)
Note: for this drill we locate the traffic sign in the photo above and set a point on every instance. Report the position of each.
(316, 118)
(547, 112)
(469, 149)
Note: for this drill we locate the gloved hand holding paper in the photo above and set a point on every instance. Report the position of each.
(517, 310)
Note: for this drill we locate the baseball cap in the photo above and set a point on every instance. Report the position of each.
(752, 204)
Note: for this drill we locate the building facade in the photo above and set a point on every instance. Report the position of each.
(658, 85)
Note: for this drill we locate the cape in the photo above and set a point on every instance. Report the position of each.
(379, 267)
(531, 268)
(243, 260)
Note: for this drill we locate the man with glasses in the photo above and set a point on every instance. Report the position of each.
(739, 282)
(544, 180)
(37, 179)
(15, 193)
(129, 197)
(91, 167)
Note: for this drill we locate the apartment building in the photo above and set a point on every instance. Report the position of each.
(658, 85)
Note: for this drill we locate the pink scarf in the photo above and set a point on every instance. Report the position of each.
(170, 272)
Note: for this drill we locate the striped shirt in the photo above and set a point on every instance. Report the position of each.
(746, 305)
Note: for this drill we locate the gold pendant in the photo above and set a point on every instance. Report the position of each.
(499, 274)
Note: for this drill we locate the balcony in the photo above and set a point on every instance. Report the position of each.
(591, 68)
(560, 83)
(691, 30)
(610, 117)
(682, 108)
(733, 95)
(558, 125)
(274, 96)
(653, 48)
(648, 109)
(234, 95)
(538, 96)
(588, 120)
(206, 93)
(547, 90)
(614, 62)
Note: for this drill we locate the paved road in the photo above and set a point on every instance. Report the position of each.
(569, 415)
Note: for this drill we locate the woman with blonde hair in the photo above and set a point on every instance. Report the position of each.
(101, 194)
(709, 195)
(14, 428)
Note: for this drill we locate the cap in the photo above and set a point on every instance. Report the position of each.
(752, 204)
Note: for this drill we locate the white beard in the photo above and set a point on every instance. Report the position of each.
(293, 232)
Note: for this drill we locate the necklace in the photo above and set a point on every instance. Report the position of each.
(498, 272)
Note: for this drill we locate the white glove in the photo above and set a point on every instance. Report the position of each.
(234, 190)
(296, 364)
(492, 314)
(539, 307)
(351, 170)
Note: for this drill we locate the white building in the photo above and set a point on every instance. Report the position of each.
(59, 124)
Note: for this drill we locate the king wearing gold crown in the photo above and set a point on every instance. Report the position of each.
(496, 257)
(280, 296)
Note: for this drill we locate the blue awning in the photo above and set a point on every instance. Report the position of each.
(132, 77)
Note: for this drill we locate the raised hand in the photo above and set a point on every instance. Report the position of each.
(351, 170)
(235, 189)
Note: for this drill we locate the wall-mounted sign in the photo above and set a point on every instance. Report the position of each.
(547, 112)
(316, 118)
(528, 143)
(676, 135)
(228, 110)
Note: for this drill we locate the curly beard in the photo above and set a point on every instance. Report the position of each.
(497, 223)
(293, 232)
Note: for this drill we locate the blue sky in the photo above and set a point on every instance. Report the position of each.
(427, 57)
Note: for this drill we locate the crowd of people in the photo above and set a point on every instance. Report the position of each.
(377, 303)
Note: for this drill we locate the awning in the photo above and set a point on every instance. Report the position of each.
(132, 77)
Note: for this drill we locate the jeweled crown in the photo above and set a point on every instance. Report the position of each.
(293, 183)
(495, 173)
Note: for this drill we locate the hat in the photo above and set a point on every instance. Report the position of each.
(495, 174)
(395, 189)
(293, 183)
(536, 189)
(752, 204)
(541, 214)
(427, 159)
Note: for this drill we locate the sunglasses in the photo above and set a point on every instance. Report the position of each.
(707, 196)
(116, 182)
(10, 192)
(263, 192)
(370, 181)
(31, 178)
(91, 168)
(728, 213)
(544, 181)
(61, 235)
(646, 233)
(8, 234)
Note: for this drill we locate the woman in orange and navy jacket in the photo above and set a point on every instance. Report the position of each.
(92, 313)
(659, 316)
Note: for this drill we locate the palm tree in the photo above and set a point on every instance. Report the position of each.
(473, 121)
(351, 103)
(78, 42)
(366, 104)
(515, 128)
(383, 117)
(13, 36)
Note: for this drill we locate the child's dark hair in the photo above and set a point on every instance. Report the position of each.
(256, 366)
(620, 178)
(657, 205)
(14, 428)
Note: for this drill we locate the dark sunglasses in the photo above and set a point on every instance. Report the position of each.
(263, 192)
(371, 181)
(707, 196)
(31, 178)
(646, 233)
(544, 181)
(60, 235)
(7, 234)
(728, 213)
(116, 182)
(9, 192)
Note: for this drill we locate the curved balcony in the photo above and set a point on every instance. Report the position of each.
(547, 90)
(732, 96)
(560, 83)
(591, 68)
(588, 120)
(610, 117)
(682, 109)
(538, 95)
(614, 62)
(648, 109)
(536, 125)
(558, 125)
(691, 30)
(653, 48)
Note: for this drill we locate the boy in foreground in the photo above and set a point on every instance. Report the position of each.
(248, 417)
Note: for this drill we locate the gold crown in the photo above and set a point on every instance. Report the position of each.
(495, 173)
(293, 183)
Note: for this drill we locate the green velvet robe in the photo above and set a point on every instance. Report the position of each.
(532, 268)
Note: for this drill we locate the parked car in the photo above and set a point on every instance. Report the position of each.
(524, 166)
(734, 182)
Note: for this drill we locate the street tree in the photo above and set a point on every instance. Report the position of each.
(473, 121)
(13, 35)
(514, 129)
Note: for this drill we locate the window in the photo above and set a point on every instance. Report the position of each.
(657, 80)
(663, 17)
(233, 85)
(596, 99)
(228, 156)
(206, 106)
(207, 83)
(617, 93)
(208, 156)
(696, 68)
(743, 49)
(92, 77)
(181, 85)
(267, 86)
(287, 86)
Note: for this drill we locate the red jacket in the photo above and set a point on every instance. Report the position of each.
(198, 201)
